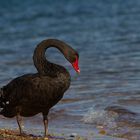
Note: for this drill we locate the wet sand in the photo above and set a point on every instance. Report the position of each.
(6, 134)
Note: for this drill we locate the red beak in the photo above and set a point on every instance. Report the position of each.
(75, 66)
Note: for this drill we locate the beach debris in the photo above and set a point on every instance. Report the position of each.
(73, 135)
(103, 132)
(6, 134)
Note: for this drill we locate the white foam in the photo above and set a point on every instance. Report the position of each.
(100, 118)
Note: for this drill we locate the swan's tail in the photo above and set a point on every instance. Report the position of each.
(2, 100)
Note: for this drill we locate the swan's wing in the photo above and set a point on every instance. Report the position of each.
(30, 88)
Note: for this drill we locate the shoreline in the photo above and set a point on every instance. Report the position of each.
(7, 134)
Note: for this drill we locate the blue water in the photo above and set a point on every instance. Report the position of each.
(107, 37)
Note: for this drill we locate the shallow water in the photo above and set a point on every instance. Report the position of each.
(107, 36)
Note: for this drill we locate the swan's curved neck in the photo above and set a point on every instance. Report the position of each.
(41, 63)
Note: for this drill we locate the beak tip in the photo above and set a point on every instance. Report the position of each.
(78, 71)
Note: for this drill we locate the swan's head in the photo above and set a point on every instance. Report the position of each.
(73, 57)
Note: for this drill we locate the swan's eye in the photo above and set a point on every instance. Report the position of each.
(75, 65)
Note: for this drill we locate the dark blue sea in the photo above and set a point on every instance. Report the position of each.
(106, 33)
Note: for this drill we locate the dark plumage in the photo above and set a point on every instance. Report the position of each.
(31, 94)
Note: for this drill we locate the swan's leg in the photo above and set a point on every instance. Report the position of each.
(45, 121)
(20, 125)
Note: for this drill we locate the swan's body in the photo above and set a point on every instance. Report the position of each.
(31, 94)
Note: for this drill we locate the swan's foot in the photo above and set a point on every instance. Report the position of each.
(46, 137)
(22, 134)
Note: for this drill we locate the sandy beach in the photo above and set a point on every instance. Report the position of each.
(6, 134)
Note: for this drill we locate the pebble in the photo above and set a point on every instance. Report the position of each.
(73, 135)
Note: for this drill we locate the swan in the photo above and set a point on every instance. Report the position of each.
(35, 93)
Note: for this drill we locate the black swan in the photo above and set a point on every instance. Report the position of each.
(31, 94)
